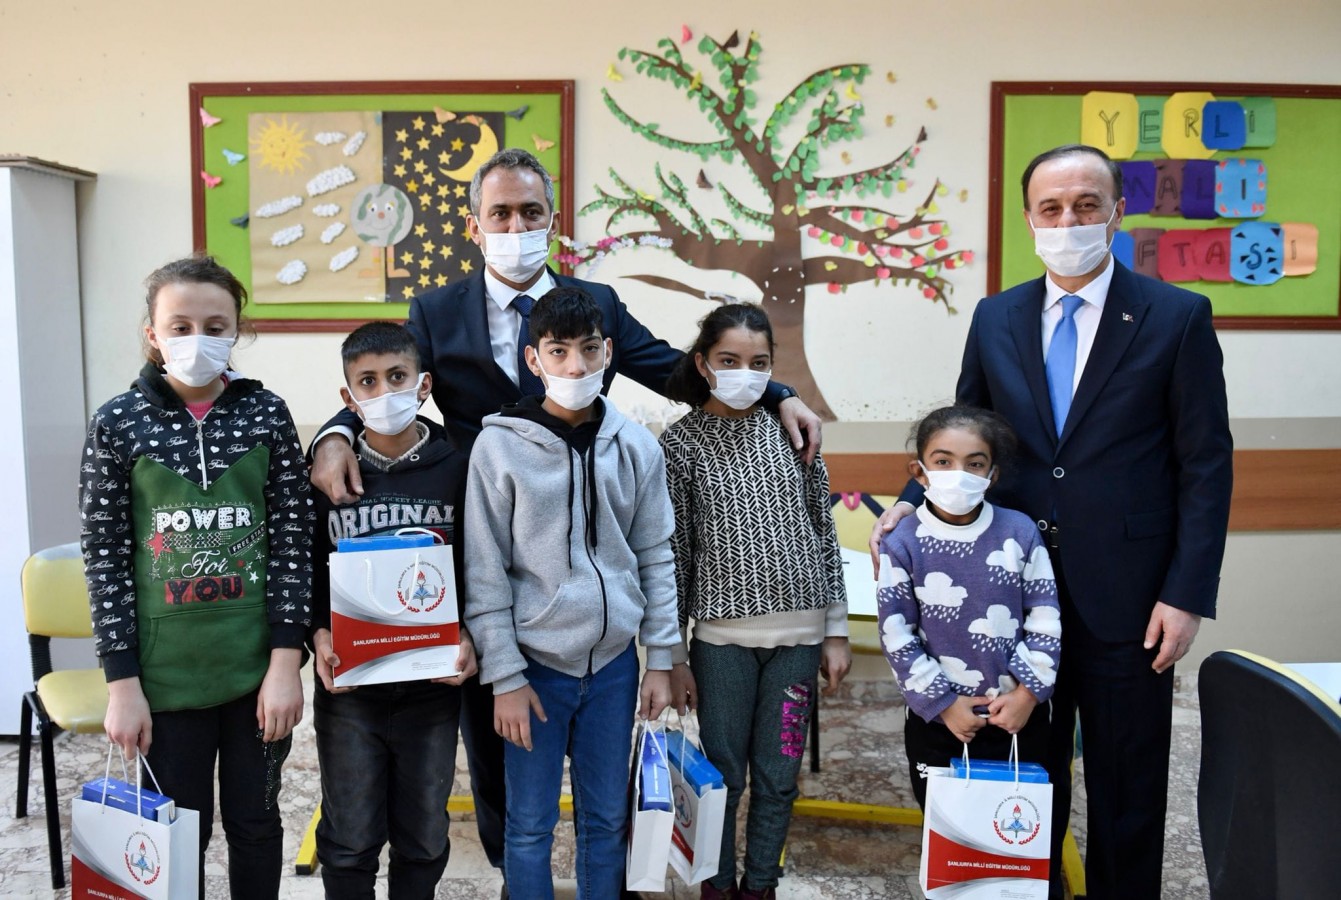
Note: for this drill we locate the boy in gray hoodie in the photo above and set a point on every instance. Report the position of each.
(568, 558)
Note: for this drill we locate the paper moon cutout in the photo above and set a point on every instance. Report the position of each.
(480, 151)
(381, 214)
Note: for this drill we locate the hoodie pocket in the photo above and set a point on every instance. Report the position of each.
(569, 625)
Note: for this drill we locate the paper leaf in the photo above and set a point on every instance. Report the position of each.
(232, 157)
(541, 144)
(685, 34)
(518, 112)
(240, 221)
(890, 77)
(931, 103)
(851, 92)
(208, 120)
(646, 196)
(211, 181)
(830, 266)
(697, 81)
(889, 120)
(443, 115)
(732, 42)
(787, 209)
(612, 73)
(963, 195)
(847, 158)
(703, 181)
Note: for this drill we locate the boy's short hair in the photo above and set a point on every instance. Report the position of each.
(379, 338)
(563, 314)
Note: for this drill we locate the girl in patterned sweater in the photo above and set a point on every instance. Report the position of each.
(967, 602)
(758, 569)
(197, 539)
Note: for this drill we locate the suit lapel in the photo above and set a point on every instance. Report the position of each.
(475, 327)
(1124, 308)
(1026, 327)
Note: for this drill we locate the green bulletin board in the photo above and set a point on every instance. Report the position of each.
(1304, 186)
(424, 139)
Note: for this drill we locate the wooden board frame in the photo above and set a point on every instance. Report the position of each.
(271, 317)
(1000, 181)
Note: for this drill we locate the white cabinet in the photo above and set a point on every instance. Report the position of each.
(41, 397)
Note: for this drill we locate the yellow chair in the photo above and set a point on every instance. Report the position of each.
(56, 604)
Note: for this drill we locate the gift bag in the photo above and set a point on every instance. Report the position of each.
(650, 816)
(121, 851)
(393, 609)
(986, 831)
(699, 796)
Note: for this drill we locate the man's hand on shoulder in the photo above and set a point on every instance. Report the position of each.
(1178, 628)
(335, 470)
(803, 427)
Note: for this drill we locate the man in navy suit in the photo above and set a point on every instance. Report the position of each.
(1114, 383)
(470, 338)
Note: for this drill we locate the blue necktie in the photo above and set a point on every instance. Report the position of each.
(529, 384)
(1060, 364)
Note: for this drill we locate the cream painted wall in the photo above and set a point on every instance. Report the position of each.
(104, 87)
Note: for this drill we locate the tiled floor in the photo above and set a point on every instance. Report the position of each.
(863, 762)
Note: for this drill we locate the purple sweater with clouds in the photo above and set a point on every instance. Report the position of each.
(968, 608)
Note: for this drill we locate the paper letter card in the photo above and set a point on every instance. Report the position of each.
(393, 610)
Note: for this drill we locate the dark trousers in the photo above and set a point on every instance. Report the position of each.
(484, 756)
(387, 755)
(933, 744)
(185, 746)
(1126, 722)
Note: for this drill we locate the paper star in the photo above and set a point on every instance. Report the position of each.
(422, 143)
(448, 228)
(420, 166)
(428, 178)
(424, 281)
(402, 135)
(463, 211)
(412, 186)
(425, 199)
(429, 246)
(420, 230)
(445, 252)
(405, 153)
(457, 144)
(460, 190)
(444, 190)
(444, 208)
(443, 158)
(407, 292)
(399, 170)
(466, 266)
(436, 131)
(425, 262)
(440, 281)
(418, 123)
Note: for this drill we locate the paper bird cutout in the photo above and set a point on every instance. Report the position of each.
(540, 143)
(241, 221)
(889, 120)
(518, 112)
(443, 115)
(851, 92)
(208, 120)
(931, 103)
(233, 158)
(211, 181)
(733, 41)
(685, 34)
(921, 134)
(889, 76)
(697, 81)
(703, 181)
(612, 73)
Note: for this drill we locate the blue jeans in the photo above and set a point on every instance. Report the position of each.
(388, 756)
(590, 721)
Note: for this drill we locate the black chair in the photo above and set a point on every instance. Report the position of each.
(1270, 783)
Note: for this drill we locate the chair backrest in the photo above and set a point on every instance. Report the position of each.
(1270, 780)
(55, 595)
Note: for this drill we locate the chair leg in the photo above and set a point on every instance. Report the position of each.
(53, 805)
(814, 735)
(25, 752)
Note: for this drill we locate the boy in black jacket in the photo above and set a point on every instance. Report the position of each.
(387, 751)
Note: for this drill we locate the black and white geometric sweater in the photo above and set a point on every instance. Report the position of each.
(754, 533)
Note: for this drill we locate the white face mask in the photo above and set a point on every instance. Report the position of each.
(196, 359)
(516, 257)
(955, 491)
(392, 412)
(738, 388)
(1075, 251)
(575, 394)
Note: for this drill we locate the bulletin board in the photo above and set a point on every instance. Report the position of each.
(336, 202)
(1028, 118)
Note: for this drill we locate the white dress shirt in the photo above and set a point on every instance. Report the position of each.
(504, 320)
(1087, 315)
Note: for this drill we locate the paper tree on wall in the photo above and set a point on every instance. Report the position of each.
(820, 229)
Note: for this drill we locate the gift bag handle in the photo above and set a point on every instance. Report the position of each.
(140, 760)
(368, 573)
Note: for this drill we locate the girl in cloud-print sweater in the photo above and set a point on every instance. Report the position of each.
(968, 608)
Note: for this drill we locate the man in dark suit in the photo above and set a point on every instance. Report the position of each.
(1114, 383)
(471, 334)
